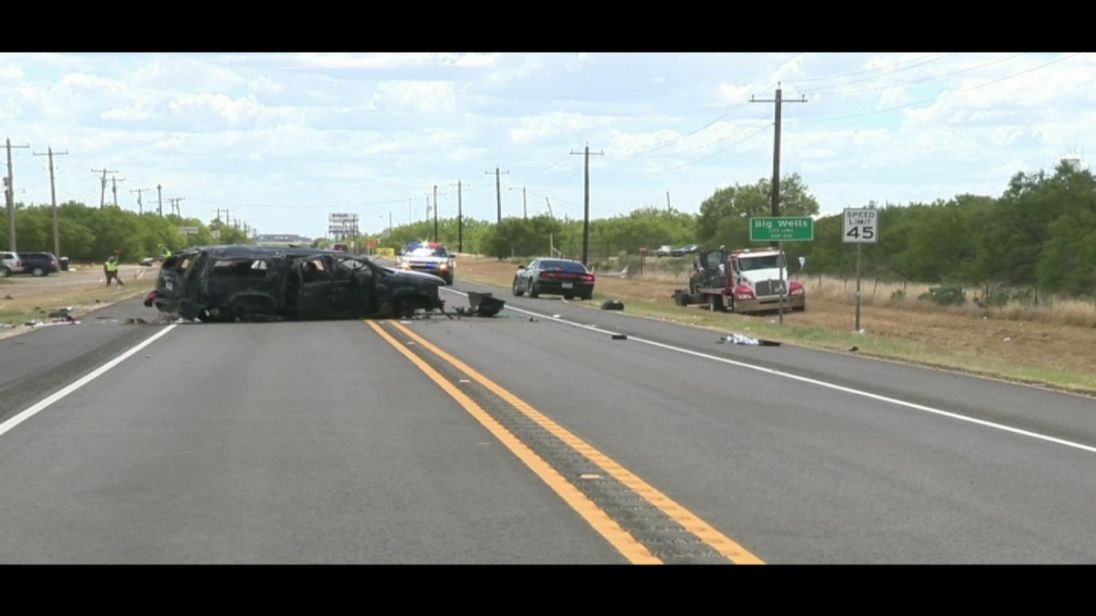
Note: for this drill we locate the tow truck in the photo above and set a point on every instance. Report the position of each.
(744, 281)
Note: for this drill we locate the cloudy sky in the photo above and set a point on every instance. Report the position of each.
(282, 140)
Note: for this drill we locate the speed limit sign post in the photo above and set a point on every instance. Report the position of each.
(861, 227)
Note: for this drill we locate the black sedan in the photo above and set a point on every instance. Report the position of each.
(557, 276)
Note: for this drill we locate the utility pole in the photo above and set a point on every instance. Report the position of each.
(103, 185)
(410, 216)
(53, 199)
(668, 208)
(140, 205)
(549, 204)
(586, 221)
(498, 191)
(524, 205)
(175, 209)
(779, 101)
(9, 192)
(460, 219)
(160, 200)
(114, 188)
(435, 213)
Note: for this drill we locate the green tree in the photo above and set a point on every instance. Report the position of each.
(725, 216)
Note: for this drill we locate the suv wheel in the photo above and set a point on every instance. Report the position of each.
(38, 271)
(4, 271)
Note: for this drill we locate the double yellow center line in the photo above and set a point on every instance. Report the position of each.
(623, 541)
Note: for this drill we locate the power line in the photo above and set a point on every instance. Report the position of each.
(872, 70)
(703, 158)
(836, 86)
(298, 205)
(939, 96)
(924, 80)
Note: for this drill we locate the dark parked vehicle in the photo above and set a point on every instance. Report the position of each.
(245, 283)
(557, 276)
(39, 263)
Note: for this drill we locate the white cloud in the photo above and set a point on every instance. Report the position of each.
(364, 61)
(134, 113)
(249, 127)
(555, 123)
(893, 97)
(81, 84)
(735, 94)
(407, 96)
(212, 111)
(264, 86)
(11, 73)
(475, 60)
(183, 73)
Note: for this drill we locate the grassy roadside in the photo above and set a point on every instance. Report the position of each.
(978, 357)
(28, 303)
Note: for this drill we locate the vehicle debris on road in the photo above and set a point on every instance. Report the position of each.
(736, 338)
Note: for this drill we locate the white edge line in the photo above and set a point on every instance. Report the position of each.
(855, 392)
(46, 402)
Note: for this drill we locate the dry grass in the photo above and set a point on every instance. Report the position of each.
(24, 298)
(1054, 344)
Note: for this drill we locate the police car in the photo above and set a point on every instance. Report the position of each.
(429, 257)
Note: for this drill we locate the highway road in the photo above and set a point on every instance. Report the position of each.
(591, 437)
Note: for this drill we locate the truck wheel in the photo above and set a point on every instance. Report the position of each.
(515, 290)
(715, 303)
(533, 293)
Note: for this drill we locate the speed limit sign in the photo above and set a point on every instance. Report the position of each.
(861, 226)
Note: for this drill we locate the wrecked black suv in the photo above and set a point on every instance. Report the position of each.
(246, 283)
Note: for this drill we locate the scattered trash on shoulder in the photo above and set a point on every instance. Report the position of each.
(613, 304)
(36, 324)
(736, 338)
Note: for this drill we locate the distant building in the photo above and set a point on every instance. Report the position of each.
(282, 239)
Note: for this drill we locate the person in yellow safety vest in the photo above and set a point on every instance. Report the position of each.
(165, 253)
(111, 269)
